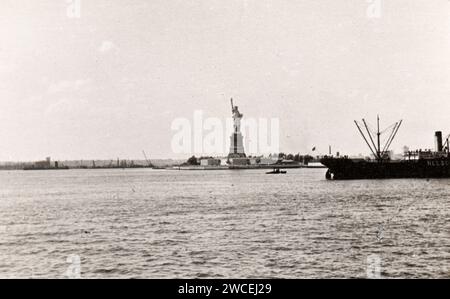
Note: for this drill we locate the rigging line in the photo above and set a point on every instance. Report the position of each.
(386, 141)
(446, 144)
(390, 136)
(375, 132)
(365, 139)
(371, 129)
(396, 131)
(385, 148)
(384, 131)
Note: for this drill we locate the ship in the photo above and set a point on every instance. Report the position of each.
(413, 164)
(45, 165)
(45, 168)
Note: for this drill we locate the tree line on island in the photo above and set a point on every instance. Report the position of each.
(304, 159)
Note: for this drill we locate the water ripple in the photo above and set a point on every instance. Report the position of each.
(171, 224)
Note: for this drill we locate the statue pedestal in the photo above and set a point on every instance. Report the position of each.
(237, 145)
(237, 155)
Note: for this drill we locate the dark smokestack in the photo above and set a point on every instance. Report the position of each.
(438, 136)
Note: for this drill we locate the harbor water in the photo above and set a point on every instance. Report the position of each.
(143, 223)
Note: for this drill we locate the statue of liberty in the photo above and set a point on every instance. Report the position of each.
(236, 139)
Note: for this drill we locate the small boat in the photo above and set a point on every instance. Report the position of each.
(276, 171)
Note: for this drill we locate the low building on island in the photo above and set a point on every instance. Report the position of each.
(210, 162)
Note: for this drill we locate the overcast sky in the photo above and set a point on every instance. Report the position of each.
(109, 82)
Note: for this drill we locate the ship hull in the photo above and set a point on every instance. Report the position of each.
(348, 169)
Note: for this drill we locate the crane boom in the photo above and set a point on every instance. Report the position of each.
(148, 162)
(370, 135)
(393, 136)
(365, 139)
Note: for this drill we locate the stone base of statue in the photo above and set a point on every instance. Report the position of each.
(237, 154)
(237, 145)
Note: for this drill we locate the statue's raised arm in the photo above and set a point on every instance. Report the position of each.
(237, 116)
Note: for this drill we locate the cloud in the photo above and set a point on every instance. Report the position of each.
(66, 96)
(106, 46)
(66, 85)
(7, 67)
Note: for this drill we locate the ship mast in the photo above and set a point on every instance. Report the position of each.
(378, 137)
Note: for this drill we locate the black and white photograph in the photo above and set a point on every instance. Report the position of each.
(213, 140)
